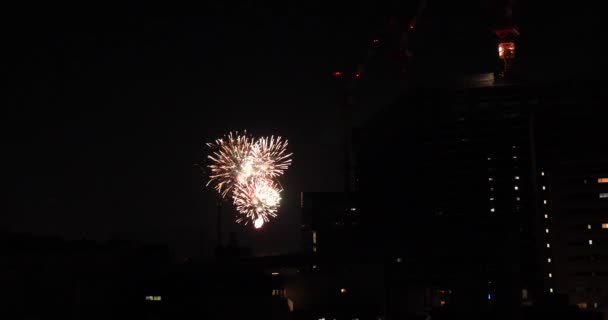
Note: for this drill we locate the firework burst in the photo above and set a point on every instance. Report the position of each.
(257, 199)
(248, 168)
(227, 161)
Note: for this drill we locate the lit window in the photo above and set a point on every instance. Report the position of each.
(602, 180)
(590, 242)
(342, 290)
(491, 199)
(516, 188)
(275, 273)
(398, 260)
(489, 158)
(548, 245)
(492, 210)
(314, 248)
(514, 157)
(513, 147)
(153, 298)
(544, 201)
(516, 177)
(517, 198)
(524, 294)
(506, 50)
(604, 225)
(542, 173)
(550, 275)
(551, 290)
(544, 188)
(490, 179)
(314, 266)
(595, 304)
(546, 230)
(353, 209)
(546, 216)
(589, 226)
(442, 302)
(548, 260)
(489, 296)
(603, 195)
(582, 305)
(314, 237)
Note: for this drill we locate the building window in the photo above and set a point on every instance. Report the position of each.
(546, 230)
(602, 180)
(524, 294)
(492, 210)
(490, 179)
(550, 290)
(544, 188)
(314, 237)
(516, 177)
(589, 227)
(582, 305)
(590, 242)
(550, 275)
(603, 195)
(604, 225)
(548, 245)
(595, 305)
(542, 173)
(548, 260)
(153, 298)
(546, 216)
(516, 188)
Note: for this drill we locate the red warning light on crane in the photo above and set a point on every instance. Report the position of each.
(337, 74)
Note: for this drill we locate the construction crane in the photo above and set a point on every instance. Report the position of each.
(394, 40)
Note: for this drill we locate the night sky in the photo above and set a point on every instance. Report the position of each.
(109, 107)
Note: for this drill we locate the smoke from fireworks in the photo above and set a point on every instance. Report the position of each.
(248, 168)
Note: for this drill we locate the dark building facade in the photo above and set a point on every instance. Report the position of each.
(492, 188)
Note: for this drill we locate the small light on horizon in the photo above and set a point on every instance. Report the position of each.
(275, 273)
(342, 290)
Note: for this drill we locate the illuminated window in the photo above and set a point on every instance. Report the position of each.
(342, 290)
(314, 248)
(353, 209)
(398, 260)
(542, 173)
(590, 242)
(548, 260)
(582, 305)
(550, 275)
(491, 199)
(506, 50)
(546, 230)
(153, 298)
(490, 179)
(516, 188)
(516, 177)
(517, 198)
(544, 188)
(546, 216)
(544, 201)
(314, 237)
(603, 195)
(442, 302)
(604, 225)
(489, 158)
(589, 226)
(275, 273)
(524, 294)
(551, 290)
(514, 157)
(602, 180)
(595, 304)
(492, 210)
(548, 245)
(489, 296)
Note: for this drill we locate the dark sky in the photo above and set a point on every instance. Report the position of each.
(109, 107)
